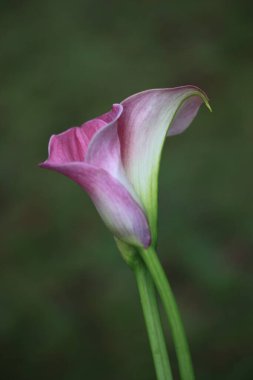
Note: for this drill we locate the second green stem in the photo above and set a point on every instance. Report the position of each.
(153, 322)
(183, 354)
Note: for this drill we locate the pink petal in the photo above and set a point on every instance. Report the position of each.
(68, 146)
(142, 128)
(120, 212)
(90, 155)
(104, 148)
(104, 151)
(185, 115)
(72, 144)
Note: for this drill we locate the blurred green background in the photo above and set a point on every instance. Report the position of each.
(69, 307)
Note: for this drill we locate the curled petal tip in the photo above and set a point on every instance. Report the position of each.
(208, 105)
(204, 97)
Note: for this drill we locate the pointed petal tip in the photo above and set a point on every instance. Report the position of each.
(41, 165)
(50, 165)
(45, 164)
(200, 92)
(203, 96)
(208, 105)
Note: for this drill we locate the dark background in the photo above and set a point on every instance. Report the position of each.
(69, 308)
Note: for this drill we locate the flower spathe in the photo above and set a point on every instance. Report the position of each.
(115, 157)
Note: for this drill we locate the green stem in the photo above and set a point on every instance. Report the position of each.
(153, 322)
(184, 359)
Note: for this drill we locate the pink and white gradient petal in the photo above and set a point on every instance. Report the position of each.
(143, 126)
(90, 156)
(120, 212)
(104, 152)
(104, 148)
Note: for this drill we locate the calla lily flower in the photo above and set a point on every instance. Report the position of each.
(115, 157)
